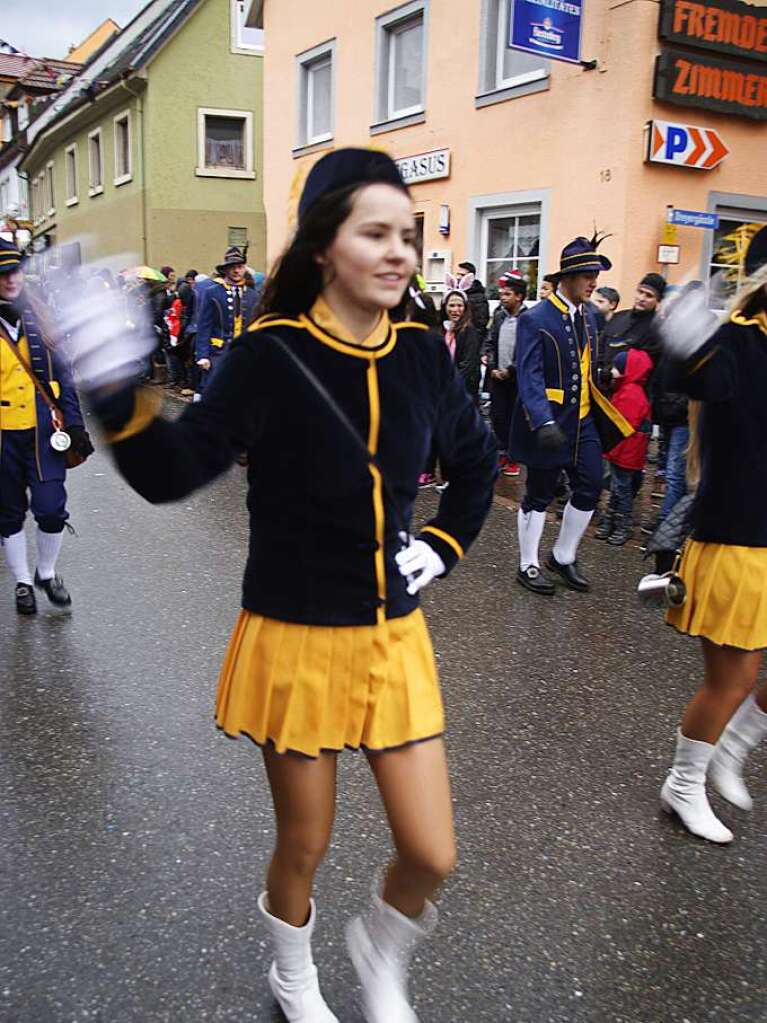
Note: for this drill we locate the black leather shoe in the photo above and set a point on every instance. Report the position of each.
(570, 575)
(534, 580)
(25, 599)
(55, 590)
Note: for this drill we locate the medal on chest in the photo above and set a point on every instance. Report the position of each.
(60, 441)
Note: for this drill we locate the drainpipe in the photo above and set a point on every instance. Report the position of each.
(142, 182)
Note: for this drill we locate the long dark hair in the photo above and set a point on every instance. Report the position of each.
(465, 320)
(296, 280)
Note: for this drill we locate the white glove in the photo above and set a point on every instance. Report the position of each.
(688, 324)
(106, 336)
(419, 563)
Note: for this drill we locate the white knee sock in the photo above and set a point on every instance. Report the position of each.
(530, 528)
(574, 524)
(15, 548)
(48, 547)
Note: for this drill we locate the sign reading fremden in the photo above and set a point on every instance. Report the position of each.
(551, 28)
(727, 26)
(424, 166)
(727, 86)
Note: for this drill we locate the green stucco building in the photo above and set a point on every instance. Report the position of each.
(154, 149)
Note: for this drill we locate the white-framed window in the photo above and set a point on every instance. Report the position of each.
(316, 94)
(401, 62)
(50, 191)
(224, 143)
(95, 163)
(70, 174)
(510, 231)
(501, 66)
(122, 140)
(246, 25)
(740, 217)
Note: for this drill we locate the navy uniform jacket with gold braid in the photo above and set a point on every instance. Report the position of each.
(217, 324)
(550, 379)
(51, 371)
(729, 375)
(322, 532)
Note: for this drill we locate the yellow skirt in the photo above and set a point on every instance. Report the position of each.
(309, 688)
(726, 595)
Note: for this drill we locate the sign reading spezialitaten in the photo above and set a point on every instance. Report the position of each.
(727, 86)
(424, 166)
(727, 26)
(551, 28)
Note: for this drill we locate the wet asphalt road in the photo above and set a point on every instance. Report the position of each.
(135, 837)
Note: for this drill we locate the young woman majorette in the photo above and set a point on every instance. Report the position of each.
(724, 564)
(330, 649)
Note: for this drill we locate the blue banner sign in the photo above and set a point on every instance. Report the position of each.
(692, 218)
(551, 28)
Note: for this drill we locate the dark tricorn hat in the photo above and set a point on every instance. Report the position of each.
(345, 167)
(232, 257)
(581, 256)
(756, 255)
(11, 258)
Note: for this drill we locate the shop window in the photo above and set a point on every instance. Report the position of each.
(401, 62)
(316, 95)
(501, 67)
(225, 143)
(123, 167)
(731, 239)
(511, 240)
(95, 163)
(70, 168)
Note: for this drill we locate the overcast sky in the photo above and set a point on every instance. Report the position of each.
(47, 28)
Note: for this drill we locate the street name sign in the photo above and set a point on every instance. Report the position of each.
(693, 218)
(685, 145)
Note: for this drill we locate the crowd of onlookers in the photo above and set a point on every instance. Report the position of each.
(627, 365)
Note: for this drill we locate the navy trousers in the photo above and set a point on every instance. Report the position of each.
(20, 487)
(585, 476)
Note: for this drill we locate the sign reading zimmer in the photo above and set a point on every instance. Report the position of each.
(424, 166)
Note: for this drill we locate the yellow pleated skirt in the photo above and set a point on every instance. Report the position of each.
(726, 595)
(311, 688)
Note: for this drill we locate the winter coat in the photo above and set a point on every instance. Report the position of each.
(468, 343)
(632, 328)
(669, 408)
(479, 307)
(630, 398)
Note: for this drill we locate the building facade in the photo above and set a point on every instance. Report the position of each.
(154, 151)
(511, 154)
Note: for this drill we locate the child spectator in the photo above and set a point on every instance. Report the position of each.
(631, 371)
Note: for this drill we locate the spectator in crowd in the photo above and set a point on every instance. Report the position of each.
(479, 308)
(606, 300)
(548, 286)
(638, 327)
(498, 355)
(631, 370)
(462, 338)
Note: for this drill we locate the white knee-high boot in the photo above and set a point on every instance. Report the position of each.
(293, 975)
(381, 944)
(745, 730)
(684, 790)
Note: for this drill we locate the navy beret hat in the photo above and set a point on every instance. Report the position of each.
(345, 167)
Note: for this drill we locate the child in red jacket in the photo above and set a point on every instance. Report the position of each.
(631, 372)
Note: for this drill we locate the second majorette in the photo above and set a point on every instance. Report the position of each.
(331, 649)
(561, 419)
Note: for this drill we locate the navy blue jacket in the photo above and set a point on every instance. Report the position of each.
(52, 371)
(548, 361)
(216, 320)
(323, 527)
(729, 375)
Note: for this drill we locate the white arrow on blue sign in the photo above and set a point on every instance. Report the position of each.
(693, 218)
